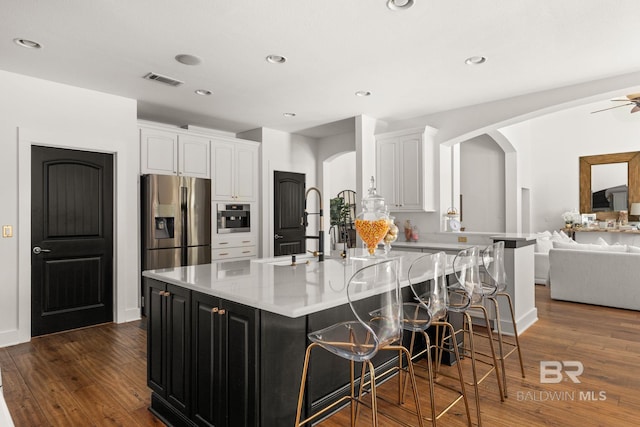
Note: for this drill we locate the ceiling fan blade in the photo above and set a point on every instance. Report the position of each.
(633, 96)
(617, 106)
(635, 109)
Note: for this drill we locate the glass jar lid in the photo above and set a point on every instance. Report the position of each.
(373, 202)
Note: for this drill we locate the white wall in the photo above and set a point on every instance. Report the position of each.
(482, 184)
(39, 111)
(555, 142)
(282, 151)
(341, 174)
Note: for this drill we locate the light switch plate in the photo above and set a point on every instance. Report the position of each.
(7, 231)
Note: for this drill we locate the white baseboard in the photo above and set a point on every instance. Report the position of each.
(129, 315)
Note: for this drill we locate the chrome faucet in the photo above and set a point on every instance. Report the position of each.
(320, 252)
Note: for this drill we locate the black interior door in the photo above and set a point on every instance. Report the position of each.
(72, 239)
(288, 211)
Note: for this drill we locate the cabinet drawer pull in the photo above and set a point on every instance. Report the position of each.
(223, 243)
(222, 312)
(214, 310)
(166, 294)
(246, 252)
(224, 253)
(246, 241)
(163, 293)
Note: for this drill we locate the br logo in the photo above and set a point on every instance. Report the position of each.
(551, 371)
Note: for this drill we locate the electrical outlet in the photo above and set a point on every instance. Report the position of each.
(462, 239)
(7, 231)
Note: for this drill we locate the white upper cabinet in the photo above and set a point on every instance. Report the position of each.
(194, 156)
(405, 170)
(158, 152)
(172, 153)
(234, 166)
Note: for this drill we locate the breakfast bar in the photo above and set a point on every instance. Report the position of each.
(226, 341)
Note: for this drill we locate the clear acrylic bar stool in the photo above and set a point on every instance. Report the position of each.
(493, 264)
(359, 340)
(466, 294)
(427, 278)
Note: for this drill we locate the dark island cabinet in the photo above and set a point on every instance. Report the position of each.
(224, 362)
(169, 343)
(202, 358)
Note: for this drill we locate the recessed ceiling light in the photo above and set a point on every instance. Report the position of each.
(289, 114)
(475, 60)
(29, 44)
(399, 4)
(203, 92)
(363, 93)
(187, 59)
(276, 59)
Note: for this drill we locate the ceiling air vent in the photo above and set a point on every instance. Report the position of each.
(163, 79)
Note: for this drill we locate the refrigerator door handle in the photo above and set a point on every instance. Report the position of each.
(184, 207)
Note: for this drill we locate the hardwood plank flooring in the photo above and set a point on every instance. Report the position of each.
(97, 376)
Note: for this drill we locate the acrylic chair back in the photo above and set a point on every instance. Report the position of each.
(467, 289)
(493, 263)
(427, 278)
(377, 286)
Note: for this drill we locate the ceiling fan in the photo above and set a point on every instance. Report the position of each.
(632, 99)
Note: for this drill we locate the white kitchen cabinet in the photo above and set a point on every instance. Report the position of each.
(234, 170)
(165, 152)
(194, 156)
(234, 246)
(405, 170)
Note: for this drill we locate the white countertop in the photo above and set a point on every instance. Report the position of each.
(278, 288)
(490, 234)
(432, 245)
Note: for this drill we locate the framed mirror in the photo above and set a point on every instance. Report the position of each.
(589, 165)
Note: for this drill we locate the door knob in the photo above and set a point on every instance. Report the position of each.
(277, 236)
(38, 250)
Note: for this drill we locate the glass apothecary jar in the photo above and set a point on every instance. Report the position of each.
(372, 223)
(392, 234)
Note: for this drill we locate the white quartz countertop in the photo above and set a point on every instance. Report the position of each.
(273, 284)
(433, 245)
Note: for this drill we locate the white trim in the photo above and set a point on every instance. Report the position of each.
(522, 323)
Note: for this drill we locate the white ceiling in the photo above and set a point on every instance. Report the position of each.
(412, 61)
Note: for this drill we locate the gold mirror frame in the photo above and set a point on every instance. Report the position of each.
(633, 175)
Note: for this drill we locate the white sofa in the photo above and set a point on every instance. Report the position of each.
(601, 277)
(541, 270)
(544, 243)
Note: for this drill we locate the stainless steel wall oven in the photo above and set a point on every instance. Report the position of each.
(233, 218)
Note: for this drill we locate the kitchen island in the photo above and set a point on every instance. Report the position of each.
(519, 266)
(226, 341)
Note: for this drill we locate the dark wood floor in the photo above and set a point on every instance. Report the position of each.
(97, 376)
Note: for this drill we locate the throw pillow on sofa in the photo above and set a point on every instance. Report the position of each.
(543, 246)
(589, 247)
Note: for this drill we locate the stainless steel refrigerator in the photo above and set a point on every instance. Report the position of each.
(176, 221)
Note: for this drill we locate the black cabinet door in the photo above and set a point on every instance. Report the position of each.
(240, 359)
(169, 342)
(156, 336)
(206, 361)
(178, 301)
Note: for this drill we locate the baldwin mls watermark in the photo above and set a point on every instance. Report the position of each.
(555, 372)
